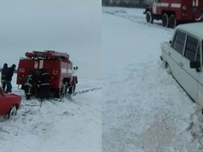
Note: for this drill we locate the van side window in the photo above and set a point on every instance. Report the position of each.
(191, 48)
(178, 42)
(197, 58)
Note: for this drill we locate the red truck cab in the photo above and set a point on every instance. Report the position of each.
(174, 12)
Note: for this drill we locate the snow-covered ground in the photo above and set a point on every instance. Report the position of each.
(72, 125)
(140, 107)
(144, 109)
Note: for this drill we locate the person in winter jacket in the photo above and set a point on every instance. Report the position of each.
(43, 82)
(9, 76)
(28, 85)
(3, 75)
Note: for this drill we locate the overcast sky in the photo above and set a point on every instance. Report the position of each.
(67, 26)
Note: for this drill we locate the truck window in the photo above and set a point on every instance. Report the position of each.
(191, 48)
(178, 42)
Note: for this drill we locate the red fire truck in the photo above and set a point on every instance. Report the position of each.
(174, 12)
(57, 64)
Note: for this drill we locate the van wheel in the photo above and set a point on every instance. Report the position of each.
(149, 17)
(168, 69)
(165, 20)
(165, 64)
(172, 21)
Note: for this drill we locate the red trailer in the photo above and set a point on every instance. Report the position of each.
(57, 64)
(174, 12)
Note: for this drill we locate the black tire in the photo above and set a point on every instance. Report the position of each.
(165, 64)
(172, 21)
(165, 20)
(168, 69)
(12, 112)
(64, 89)
(72, 89)
(149, 18)
(58, 93)
(61, 92)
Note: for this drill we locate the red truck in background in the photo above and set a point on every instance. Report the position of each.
(57, 64)
(174, 12)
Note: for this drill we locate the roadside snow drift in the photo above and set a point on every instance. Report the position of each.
(144, 109)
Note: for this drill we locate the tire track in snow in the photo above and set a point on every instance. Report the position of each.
(138, 19)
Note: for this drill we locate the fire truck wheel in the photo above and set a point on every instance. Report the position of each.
(149, 17)
(165, 20)
(66, 88)
(72, 89)
(172, 21)
(63, 90)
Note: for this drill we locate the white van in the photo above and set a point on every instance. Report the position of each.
(182, 57)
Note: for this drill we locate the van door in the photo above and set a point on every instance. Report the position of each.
(176, 53)
(189, 76)
(200, 89)
(200, 84)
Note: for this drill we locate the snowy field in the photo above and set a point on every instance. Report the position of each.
(72, 27)
(72, 125)
(144, 109)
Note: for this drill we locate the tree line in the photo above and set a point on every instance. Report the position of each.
(128, 3)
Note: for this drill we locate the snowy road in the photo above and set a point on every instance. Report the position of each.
(72, 125)
(144, 109)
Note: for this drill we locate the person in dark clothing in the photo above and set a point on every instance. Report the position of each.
(43, 82)
(3, 75)
(9, 76)
(29, 82)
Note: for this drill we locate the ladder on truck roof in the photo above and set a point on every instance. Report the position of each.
(47, 54)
